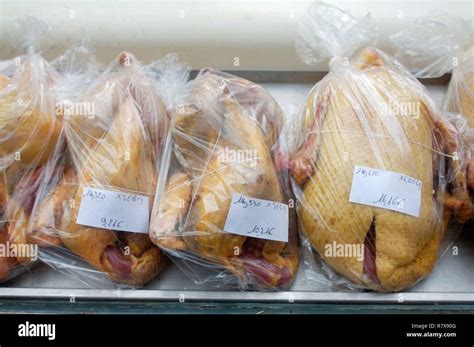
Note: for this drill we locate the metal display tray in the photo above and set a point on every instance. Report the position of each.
(451, 283)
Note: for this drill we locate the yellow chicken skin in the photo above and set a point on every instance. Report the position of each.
(346, 127)
(51, 209)
(7, 264)
(124, 160)
(19, 208)
(172, 212)
(28, 126)
(216, 122)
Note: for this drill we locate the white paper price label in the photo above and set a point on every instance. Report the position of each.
(257, 218)
(386, 189)
(114, 210)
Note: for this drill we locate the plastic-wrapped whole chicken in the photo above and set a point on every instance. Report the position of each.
(431, 47)
(29, 130)
(219, 176)
(368, 159)
(95, 200)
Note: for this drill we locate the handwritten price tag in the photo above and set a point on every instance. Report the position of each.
(386, 189)
(114, 210)
(257, 218)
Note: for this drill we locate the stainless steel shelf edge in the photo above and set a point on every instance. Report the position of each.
(228, 296)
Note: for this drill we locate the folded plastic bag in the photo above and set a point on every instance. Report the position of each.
(367, 159)
(29, 130)
(221, 209)
(95, 200)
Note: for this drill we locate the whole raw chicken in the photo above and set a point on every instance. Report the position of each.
(123, 160)
(224, 113)
(345, 124)
(115, 151)
(29, 130)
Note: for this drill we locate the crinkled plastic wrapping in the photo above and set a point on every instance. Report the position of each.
(460, 168)
(111, 140)
(460, 96)
(460, 100)
(367, 111)
(29, 130)
(431, 47)
(223, 141)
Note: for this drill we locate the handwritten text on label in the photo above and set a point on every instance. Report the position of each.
(114, 210)
(386, 189)
(257, 218)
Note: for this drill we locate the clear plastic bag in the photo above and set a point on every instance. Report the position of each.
(92, 211)
(431, 47)
(29, 130)
(460, 168)
(368, 160)
(438, 44)
(460, 96)
(222, 146)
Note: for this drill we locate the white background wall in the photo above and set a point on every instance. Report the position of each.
(203, 33)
